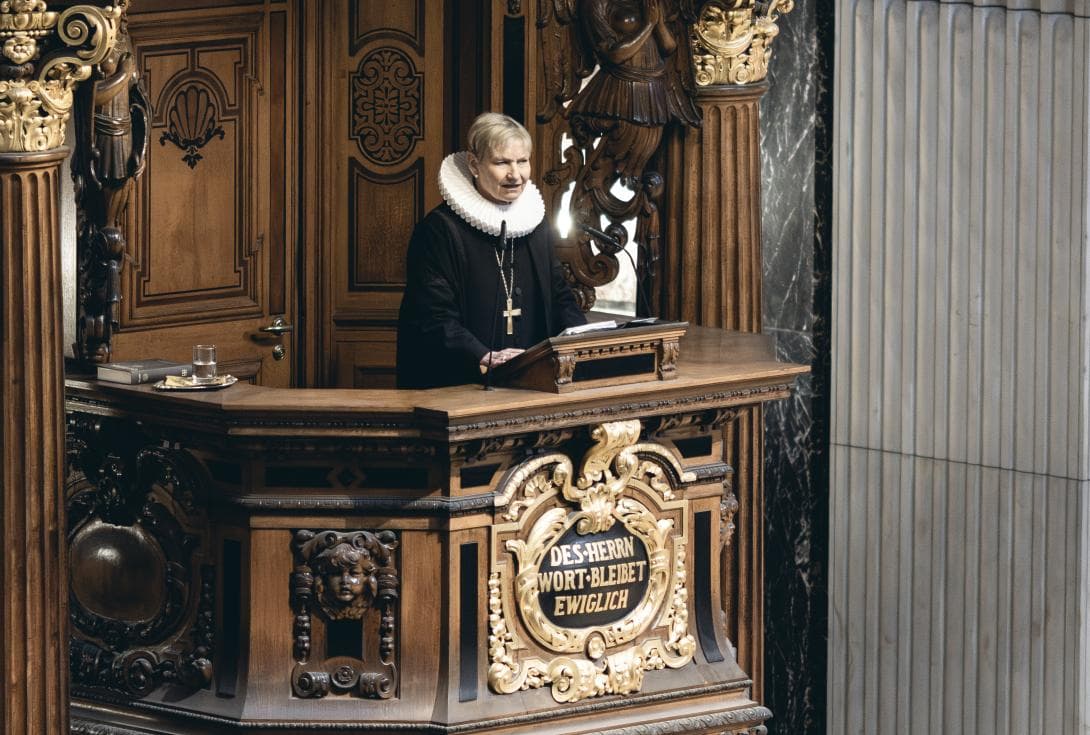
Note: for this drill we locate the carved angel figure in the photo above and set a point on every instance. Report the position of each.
(637, 84)
(632, 44)
(112, 134)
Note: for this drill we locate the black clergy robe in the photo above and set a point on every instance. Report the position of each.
(452, 311)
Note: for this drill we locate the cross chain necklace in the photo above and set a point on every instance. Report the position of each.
(508, 284)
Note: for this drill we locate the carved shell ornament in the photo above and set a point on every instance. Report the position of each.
(192, 121)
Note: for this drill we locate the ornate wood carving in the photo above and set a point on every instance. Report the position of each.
(387, 106)
(44, 56)
(637, 84)
(732, 39)
(111, 124)
(560, 528)
(347, 577)
(192, 115)
(141, 597)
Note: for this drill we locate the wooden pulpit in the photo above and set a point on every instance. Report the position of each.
(453, 560)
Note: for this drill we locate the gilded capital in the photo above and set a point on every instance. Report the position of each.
(732, 40)
(44, 55)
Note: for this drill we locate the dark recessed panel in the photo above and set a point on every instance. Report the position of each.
(383, 209)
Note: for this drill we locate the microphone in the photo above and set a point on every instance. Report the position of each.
(495, 309)
(618, 246)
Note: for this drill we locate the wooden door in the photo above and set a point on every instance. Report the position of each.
(394, 86)
(211, 220)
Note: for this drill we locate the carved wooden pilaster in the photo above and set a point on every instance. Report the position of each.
(711, 269)
(711, 275)
(44, 55)
(35, 573)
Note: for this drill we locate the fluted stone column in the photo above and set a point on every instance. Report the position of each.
(960, 458)
(35, 573)
(44, 55)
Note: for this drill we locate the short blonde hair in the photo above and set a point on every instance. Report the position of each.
(491, 130)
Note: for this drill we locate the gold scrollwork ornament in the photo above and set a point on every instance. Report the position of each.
(35, 107)
(616, 459)
(732, 40)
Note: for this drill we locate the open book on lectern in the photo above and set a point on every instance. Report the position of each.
(597, 354)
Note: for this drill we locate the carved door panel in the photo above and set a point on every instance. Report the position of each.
(380, 131)
(212, 253)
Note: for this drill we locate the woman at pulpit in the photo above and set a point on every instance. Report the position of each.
(482, 281)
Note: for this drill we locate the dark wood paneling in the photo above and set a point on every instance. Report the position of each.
(157, 6)
(365, 358)
(196, 234)
(382, 211)
(278, 151)
(373, 20)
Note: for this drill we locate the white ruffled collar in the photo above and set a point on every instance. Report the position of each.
(456, 186)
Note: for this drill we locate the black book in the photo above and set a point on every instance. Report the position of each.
(141, 371)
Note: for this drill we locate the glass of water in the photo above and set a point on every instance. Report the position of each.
(204, 363)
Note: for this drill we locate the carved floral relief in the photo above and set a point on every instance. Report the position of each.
(387, 106)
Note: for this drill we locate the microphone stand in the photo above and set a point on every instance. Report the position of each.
(495, 310)
(641, 295)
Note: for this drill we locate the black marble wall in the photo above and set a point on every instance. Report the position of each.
(796, 137)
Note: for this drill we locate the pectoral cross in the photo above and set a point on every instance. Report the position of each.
(510, 315)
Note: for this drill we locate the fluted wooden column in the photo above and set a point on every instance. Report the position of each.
(35, 572)
(711, 275)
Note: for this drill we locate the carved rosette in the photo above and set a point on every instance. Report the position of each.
(387, 107)
(44, 55)
(732, 40)
(349, 581)
(141, 595)
(588, 589)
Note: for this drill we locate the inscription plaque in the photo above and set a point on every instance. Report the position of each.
(588, 589)
(594, 579)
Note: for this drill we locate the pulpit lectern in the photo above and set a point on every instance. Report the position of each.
(440, 561)
(615, 356)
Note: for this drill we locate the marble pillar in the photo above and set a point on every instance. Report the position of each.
(796, 201)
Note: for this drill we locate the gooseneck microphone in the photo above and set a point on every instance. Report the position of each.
(616, 244)
(495, 310)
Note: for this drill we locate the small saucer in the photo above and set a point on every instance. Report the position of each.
(178, 382)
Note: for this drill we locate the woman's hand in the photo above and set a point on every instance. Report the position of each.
(498, 357)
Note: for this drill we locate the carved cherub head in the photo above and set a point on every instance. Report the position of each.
(346, 585)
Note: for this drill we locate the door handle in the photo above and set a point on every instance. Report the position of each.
(278, 327)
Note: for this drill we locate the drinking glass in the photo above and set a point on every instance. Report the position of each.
(204, 363)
